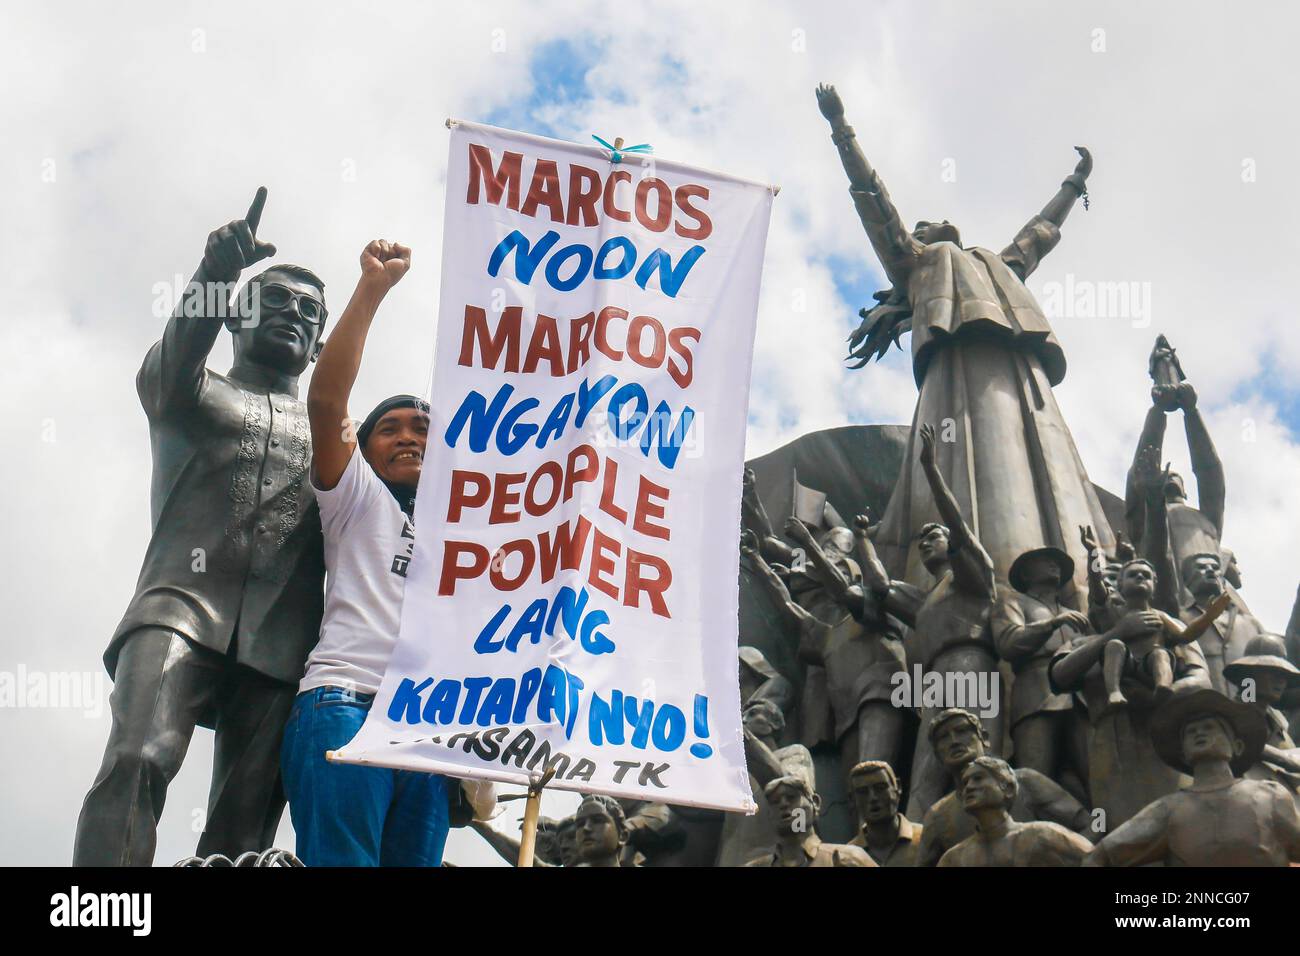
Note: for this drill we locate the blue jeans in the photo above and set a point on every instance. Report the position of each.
(349, 815)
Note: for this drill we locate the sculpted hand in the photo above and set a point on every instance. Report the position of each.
(798, 530)
(234, 246)
(1088, 538)
(1136, 625)
(1186, 395)
(927, 446)
(1071, 619)
(1084, 169)
(862, 525)
(828, 101)
(748, 543)
(383, 263)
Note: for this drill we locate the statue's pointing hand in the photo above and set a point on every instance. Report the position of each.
(235, 246)
(828, 101)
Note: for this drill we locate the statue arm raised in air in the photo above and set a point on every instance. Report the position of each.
(972, 568)
(1206, 466)
(896, 247)
(173, 369)
(1040, 235)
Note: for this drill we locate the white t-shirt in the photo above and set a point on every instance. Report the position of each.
(368, 542)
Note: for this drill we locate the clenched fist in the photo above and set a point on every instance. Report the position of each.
(384, 263)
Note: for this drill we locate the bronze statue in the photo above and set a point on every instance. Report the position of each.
(744, 837)
(985, 360)
(1265, 678)
(600, 831)
(1030, 624)
(987, 790)
(949, 622)
(860, 654)
(797, 843)
(229, 599)
(1149, 656)
(1191, 530)
(889, 837)
(1220, 819)
(957, 738)
(1234, 628)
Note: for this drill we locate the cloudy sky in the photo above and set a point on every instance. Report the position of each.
(131, 132)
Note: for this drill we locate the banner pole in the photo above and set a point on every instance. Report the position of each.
(532, 809)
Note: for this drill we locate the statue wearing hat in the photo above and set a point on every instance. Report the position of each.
(1030, 625)
(1221, 819)
(987, 790)
(1263, 677)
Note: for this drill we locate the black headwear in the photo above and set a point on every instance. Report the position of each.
(404, 494)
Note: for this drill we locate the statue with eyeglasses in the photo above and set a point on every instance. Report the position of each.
(229, 597)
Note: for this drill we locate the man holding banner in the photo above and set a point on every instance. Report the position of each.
(571, 602)
(346, 815)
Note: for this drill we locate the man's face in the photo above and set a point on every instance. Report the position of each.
(1137, 583)
(957, 743)
(278, 334)
(1174, 490)
(796, 812)
(933, 546)
(1042, 571)
(875, 797)
(1204, 577)
(1270, 685)
(980, 789)
(838, 543)
(1110, 577)
(757, 722)
(931, 232)
(566, 838)
(597, 833)
(547, 846)
(395, 448)
(1208, 738)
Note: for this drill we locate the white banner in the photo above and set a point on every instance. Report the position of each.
(572, 596)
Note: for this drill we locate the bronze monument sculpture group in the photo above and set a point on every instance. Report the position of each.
(1010, 667)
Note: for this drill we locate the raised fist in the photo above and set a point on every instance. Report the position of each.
(235, 246)
(384, 263)
(1186, 395)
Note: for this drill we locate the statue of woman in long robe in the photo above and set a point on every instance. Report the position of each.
(985, 360)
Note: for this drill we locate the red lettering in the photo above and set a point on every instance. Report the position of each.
(655, 357)
(635, 582)
(491, 347)
(462, 498)
(677, 339)
(607, 314)
(504, 181)
(663, 204)
(524, 548)
(705, 224)
(646, 509)
(544, 190)
(600, 564)
(545, 344)
(453, 570)
(582, 201)
(611, 189)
